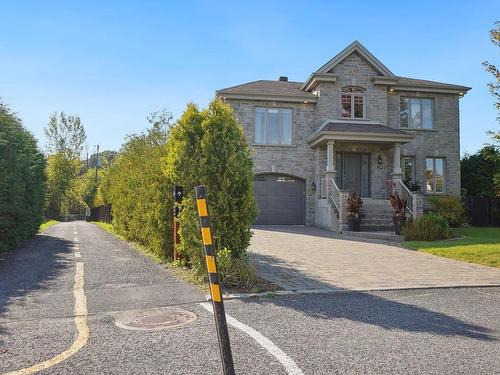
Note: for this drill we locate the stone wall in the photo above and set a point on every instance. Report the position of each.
(442, 141)
(355, 71)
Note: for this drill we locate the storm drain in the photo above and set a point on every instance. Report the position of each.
(152, 320)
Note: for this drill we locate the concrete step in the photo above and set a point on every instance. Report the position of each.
(369, 227)
(382, 215)
(387, 221)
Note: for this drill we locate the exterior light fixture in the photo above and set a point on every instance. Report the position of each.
(313, 186)
(391, 89)
(379, 160)
(305, 101)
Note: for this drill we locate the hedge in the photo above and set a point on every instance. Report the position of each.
(22, 182)
(140, 193)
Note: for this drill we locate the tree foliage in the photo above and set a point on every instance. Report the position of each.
(22, 181)
(208, 147)
(65, 139)
(478, 172)
(65, 134)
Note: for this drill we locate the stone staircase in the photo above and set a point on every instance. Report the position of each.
(376, 215)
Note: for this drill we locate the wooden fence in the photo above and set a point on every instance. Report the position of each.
(102, 213)
(483, 211)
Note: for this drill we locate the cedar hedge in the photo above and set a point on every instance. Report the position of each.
(22, 182)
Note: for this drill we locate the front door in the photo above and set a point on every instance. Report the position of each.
(353, 172)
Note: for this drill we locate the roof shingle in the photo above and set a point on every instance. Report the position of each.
(270, 88)
(350, 127)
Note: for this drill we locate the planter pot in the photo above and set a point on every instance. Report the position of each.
(397, 227)
(353, 223)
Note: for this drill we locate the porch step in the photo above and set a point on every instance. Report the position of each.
(374, 227)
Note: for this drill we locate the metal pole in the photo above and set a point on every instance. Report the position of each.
(213, 278)
(178, 195)
(97, 164)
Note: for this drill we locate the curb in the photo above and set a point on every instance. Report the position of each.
(278, 293)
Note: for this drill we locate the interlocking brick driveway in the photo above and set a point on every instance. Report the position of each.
(297, 258)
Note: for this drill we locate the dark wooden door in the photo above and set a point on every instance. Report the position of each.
(352, 173)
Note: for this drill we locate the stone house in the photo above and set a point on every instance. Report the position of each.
(352, 126)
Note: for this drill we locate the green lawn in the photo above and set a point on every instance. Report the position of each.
(474, 245)
(47, 224)
(107, 227)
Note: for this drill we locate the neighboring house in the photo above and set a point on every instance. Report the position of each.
(352, 126)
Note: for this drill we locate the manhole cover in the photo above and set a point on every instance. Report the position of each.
(152, 320)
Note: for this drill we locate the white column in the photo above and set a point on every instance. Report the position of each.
(396, 169)
(330, 156)
(397, 159)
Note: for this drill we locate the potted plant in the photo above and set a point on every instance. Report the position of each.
(399, 206)
(354, 204)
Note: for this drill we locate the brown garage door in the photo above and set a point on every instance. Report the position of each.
(281, 199)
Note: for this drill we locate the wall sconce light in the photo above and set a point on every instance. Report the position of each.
(313, 186)
(379, 160)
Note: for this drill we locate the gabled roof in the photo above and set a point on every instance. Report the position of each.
(422, 83)
(359, 48)
(324, 74)
(281, 90)
(303, 92)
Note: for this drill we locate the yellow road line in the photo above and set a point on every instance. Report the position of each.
(81, 327)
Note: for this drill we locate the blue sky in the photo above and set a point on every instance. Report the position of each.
(114, 62)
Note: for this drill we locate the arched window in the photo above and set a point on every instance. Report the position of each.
(353, 102)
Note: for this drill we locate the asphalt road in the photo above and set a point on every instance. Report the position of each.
(433, 331)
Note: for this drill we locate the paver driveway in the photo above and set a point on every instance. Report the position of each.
(297, 258)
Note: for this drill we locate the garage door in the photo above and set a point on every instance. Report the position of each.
(281, 199)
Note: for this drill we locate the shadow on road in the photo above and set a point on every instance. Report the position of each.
(366, 307)
(31, 267)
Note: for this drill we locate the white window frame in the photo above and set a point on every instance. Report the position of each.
(267, 109)
(362, 94)
(433, 191)
(410, 98)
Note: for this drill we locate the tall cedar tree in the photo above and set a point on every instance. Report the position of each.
(209, 147)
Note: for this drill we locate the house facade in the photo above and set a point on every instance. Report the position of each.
(352, 126)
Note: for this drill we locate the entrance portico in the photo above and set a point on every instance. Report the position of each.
(355, 157)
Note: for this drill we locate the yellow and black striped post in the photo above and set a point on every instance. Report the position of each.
(213, 278)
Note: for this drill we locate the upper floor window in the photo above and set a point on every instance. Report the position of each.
(352, 102)
(417, 113)
(273, 126)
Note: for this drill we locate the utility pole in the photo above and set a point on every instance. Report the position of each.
(96, 164)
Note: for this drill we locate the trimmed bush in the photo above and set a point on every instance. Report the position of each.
(429, 227)
(450, 208)
(22, 181)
